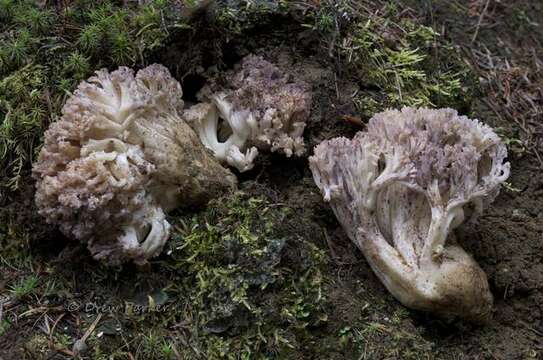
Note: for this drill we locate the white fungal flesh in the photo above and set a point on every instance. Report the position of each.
(399, 190)
(120, 156)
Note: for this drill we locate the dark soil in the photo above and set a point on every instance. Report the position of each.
(507, 240)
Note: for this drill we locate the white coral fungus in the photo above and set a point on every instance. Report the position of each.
(119, 157)
(261, 108)
(399, 189)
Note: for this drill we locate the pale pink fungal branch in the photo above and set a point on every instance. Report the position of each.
(118, 159)
(401, 187)
(261, 108)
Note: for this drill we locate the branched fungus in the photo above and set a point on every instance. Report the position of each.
(262, 108)
(401, 187)
(118, 159)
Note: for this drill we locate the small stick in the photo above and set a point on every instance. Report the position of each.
(481, 16)
(79, 345)
(54, 326)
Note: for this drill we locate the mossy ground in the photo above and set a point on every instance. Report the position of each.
(248, 278)
(268, 272)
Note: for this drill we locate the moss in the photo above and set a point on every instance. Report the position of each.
(45, 52)
(37, 346)
(25, 287)
(245, 278)
(253, 288)
(238, 16)
(23, 104)
(399, 344)
(235, 281)
(395, 59)
(401, 62)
